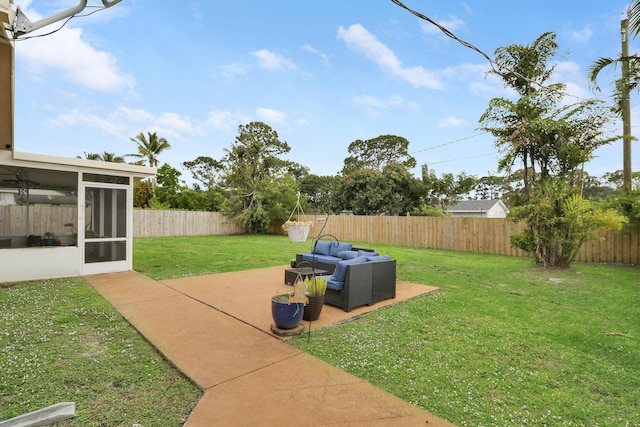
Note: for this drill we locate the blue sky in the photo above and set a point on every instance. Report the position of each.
(321, 73)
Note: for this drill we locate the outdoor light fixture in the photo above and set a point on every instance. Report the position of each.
(22, 25)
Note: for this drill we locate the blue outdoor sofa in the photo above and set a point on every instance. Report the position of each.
(364, 280)
(326, 255)
(355, 277)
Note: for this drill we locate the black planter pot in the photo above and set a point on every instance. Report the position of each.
(313, 308)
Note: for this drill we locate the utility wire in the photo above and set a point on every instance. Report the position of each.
(495, 67)
(447, 32)
(448, 143)
(462, 158)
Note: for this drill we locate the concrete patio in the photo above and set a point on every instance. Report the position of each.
(216, 330)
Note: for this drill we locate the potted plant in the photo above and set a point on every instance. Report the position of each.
(286, 314)
(74, 235)
(49, 239)
(316, 287)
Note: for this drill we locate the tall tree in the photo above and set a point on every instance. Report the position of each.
(367, 191)
(253, 160)
(438, 194)
(552, 142)
(206, 170)
(320, 192)
(628, 82)
(150, 147)
(377, 152)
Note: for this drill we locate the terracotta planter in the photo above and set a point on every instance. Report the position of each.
(313, 308)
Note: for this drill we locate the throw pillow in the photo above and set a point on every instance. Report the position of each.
(336, 248)
(348, 254)
(340, 273)
(322, 248)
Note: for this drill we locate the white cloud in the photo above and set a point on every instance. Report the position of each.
(452, 25)
(451, 122)
(272, 61)
(583, 35)
(271, 116)
(66, 51)
(359, 39)
(376, 106)
(571, 74)
(176, 122)
(125, 122)
(221, 120)
(315, 51)
(76, 118)
(232, 70)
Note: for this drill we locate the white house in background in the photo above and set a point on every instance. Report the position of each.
(480, 209)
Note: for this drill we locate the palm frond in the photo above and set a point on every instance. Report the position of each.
(634, 17)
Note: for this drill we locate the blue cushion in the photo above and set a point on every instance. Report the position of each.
(348, 254)
(336, 248)
(367, 253)
(327, 259)
(340, 273)
(334, 284)
(379, 258)
(322, 248)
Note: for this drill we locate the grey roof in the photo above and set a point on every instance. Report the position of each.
(473, 205)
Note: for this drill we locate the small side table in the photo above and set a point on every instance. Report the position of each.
(291, 274)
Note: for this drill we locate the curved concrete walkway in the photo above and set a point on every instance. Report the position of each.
(216, 330)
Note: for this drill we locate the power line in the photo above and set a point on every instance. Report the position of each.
(462, 158)
(495, 67)
(448, 143)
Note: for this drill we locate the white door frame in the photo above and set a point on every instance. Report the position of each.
(107, 266)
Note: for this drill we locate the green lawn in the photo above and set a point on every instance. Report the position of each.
(504, 343)
(60, 341)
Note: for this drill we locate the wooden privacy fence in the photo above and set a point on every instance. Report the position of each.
(152, 223)
(18, 220)
(483, 235)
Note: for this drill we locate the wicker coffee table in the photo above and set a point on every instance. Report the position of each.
(290, 274)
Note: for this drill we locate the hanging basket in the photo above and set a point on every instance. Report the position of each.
(297, 231)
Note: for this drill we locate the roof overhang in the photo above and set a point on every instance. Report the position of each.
(68, 164)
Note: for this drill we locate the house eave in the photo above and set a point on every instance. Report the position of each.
(65, 162)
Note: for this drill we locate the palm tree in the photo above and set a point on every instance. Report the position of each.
(628, 82)
(104, 157)
(634, 17)
(149, 148)
(623, 87)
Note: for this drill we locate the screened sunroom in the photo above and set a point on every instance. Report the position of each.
(64, 217)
